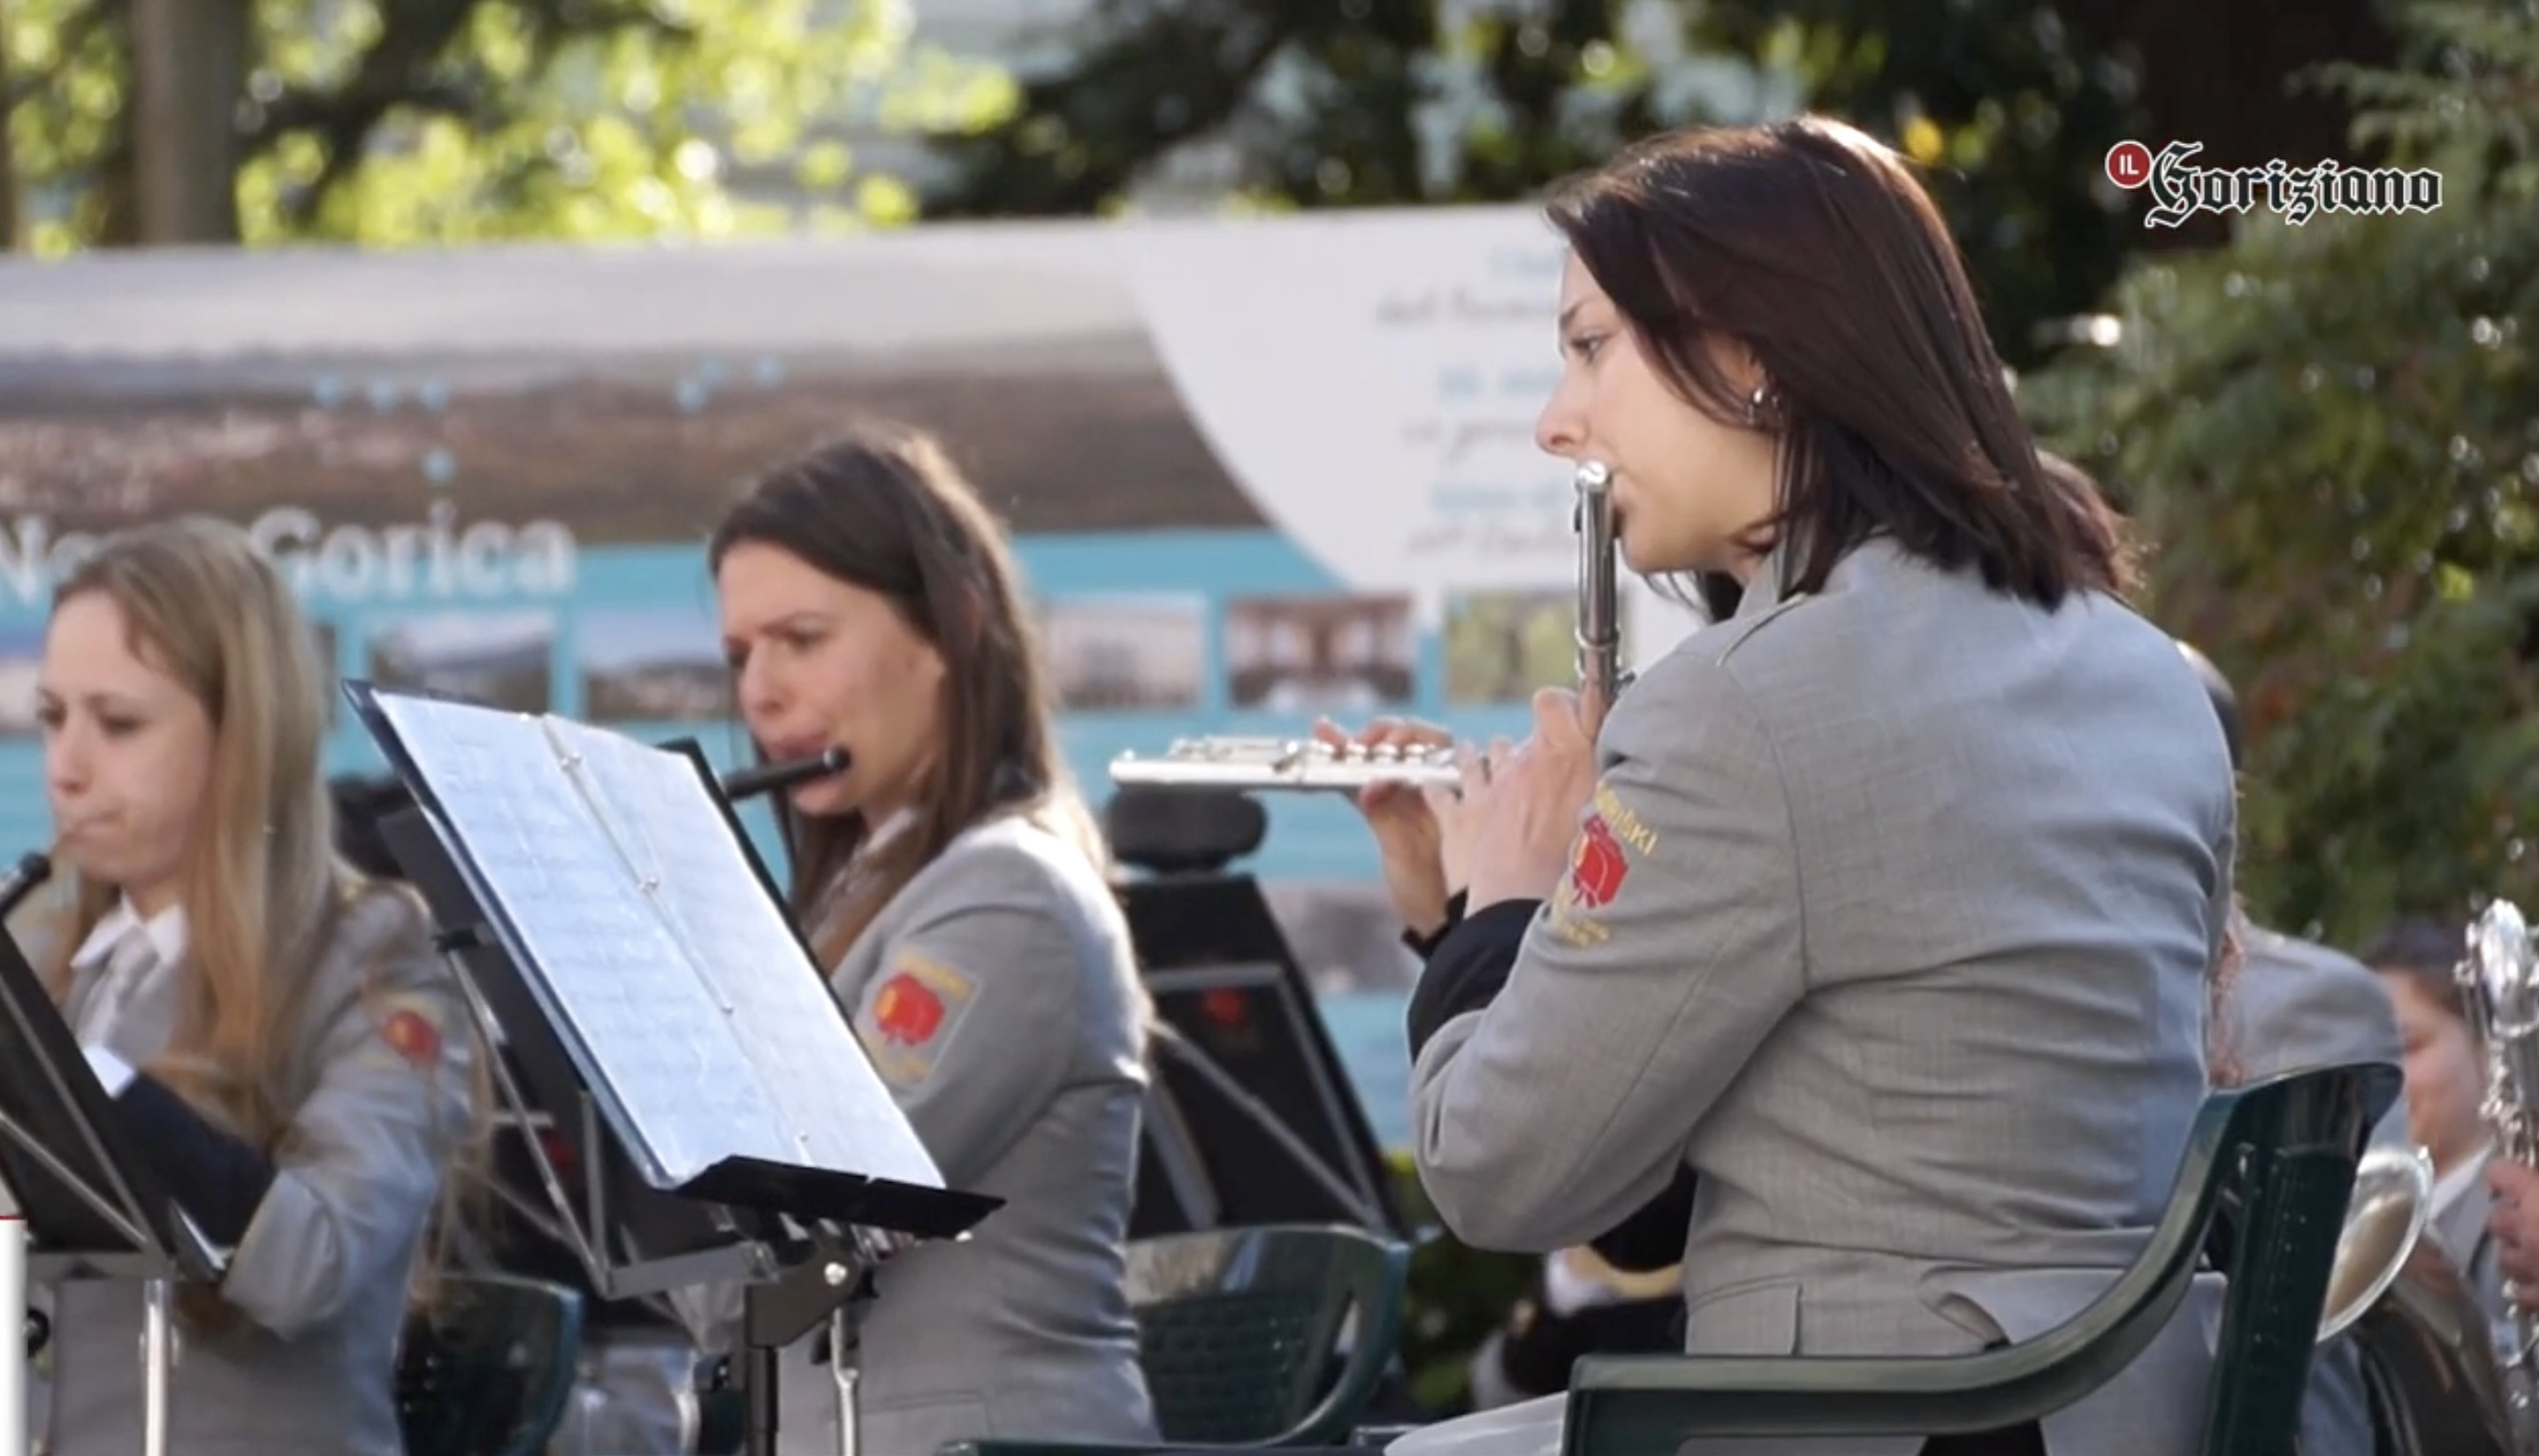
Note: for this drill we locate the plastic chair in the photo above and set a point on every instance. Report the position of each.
(2286, 1148)
(1237, 1328)
(488, 1372)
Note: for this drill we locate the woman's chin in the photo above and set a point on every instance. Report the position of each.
(1645, 560)
(821, 799)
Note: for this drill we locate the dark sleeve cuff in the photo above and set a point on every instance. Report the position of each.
(218, 1179)
(1469, 966)
(1424, 946)
(1654, 1237)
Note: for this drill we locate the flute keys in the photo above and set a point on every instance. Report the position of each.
(1283, 763)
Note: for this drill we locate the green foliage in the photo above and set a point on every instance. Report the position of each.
(454, 121)
(2331, 431)
(1309, 104)
(1317, 104)
(2010, 111)
(1457, 1297)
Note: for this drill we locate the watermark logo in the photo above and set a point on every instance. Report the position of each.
(2179, 189)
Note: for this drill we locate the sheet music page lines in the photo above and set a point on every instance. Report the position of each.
(617, 977)
(622, 791)
(837, 1113)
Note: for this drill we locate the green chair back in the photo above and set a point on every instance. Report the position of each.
(2284, 1150)
(1237, 1328)
(488, 1370)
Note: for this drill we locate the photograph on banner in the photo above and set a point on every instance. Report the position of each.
(21, 658)
(1310, 656)
(1502, 647)
(658, 662)
(1127, 652)
(503, 659)
(493, 474)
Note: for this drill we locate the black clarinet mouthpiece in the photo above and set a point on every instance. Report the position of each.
(771, 777)
(24, 879)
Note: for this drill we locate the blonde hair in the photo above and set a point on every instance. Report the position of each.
(263, 888)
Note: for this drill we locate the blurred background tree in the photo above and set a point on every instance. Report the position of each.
(2332, 430)
(1311, 104)
(1458, 1297)
(447, 122)
(8, 169)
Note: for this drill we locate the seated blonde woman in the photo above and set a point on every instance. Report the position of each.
(275, 1030)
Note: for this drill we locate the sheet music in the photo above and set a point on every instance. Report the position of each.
(778, 1004)
(650, 1033)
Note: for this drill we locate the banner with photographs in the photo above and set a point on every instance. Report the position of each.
(1258, 472)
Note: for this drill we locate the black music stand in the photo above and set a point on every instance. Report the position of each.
(93, 1205)
(618, 938)
(1272, 1111)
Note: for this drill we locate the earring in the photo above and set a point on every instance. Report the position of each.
(1755, 404)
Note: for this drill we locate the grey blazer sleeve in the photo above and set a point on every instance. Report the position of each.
(1664, 957)
(361, 1166)
(974, 1011)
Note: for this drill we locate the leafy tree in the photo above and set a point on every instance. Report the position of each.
(8, 173)
(2014, 104)
(447, 122)
(2332, 430)
(1320, 101)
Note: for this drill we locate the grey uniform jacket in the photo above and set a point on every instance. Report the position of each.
(2297, 1005)
(1892, 918)
(998, 997)
(325, 1267)
(2460, 1225)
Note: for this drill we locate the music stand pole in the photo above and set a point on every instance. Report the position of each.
(91, 1204)
(868, 1251)
(157, 1357)
(13, 1335)
(843, 1371)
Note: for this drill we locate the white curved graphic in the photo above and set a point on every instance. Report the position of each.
(1373, 382)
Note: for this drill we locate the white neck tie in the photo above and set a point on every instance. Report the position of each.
(131, 965)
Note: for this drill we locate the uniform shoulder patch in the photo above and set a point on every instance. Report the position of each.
(410, 1026)
(1610, 841)
(909, 1013)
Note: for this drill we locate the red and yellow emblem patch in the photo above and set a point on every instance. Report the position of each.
(412, 1035)
(1597, 866)
(1609, 843)
(910, 1014)
(907, 1011)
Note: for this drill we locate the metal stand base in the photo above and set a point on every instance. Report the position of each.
(833, 1285)
(157, 1348)
(158, 1359)
(14, 1322)
(842, 1347)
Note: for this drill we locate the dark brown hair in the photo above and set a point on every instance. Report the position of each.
(2425, 953)
(885, 508)
(1812, 246)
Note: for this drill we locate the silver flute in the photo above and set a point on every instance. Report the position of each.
(1234, 762)
(1600, 601)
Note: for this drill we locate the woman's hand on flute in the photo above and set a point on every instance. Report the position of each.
(1517, 824)
(1407, 834)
